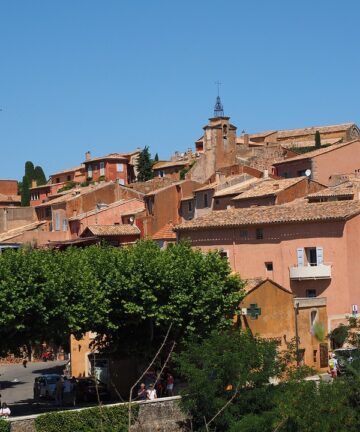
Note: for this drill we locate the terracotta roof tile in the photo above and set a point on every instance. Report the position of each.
(302, 212)
(113, 156)
(266, 187)
(113, 230)
(315, 153)
(78, 168)
(344, 189)
(312, 130)
(165, 233)
(169, 164)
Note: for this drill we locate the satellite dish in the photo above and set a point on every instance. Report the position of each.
(308, 173)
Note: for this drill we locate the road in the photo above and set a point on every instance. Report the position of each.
(17, 385)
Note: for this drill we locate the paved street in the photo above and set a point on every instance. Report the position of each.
(17, 385)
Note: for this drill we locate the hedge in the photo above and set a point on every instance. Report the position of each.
(4, 426)
(113, 419)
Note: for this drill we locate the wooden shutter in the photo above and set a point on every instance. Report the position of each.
(300, 257)
(319, 255)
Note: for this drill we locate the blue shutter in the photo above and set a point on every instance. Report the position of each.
(319, 255)
(300, 257)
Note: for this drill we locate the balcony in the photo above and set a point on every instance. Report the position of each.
(321, 271)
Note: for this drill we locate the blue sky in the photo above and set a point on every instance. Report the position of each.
(110, 76)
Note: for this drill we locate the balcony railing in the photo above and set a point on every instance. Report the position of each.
(321, 271)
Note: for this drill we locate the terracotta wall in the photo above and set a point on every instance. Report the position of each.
(279, 246)
(15, 217)
(8, 187)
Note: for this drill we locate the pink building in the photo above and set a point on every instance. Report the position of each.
(115, 166)
(311, 249)
(321, 164)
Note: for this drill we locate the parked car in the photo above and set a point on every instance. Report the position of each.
(45, 386)
(86, 390)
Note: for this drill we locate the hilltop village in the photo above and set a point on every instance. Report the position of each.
(282, 206)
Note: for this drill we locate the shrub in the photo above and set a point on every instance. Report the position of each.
(4, 426)
(113, 419)
(68, 185)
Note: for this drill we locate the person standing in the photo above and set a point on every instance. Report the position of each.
(142, 393)
(169, 384)
(333, 365)
(151, 393)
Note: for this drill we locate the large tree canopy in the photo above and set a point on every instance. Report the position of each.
(144, 165)
(31, 173)
(129, 295)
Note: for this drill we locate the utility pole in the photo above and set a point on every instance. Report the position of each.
(296, 310)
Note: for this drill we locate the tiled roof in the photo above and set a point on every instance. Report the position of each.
(236, 188)
(169, 164)
(113, 156)
(343, 189)
(20, 230)
(150, 185)
(335, 210)
(10, 198)
(108, 206)
(187, 198)
(225, 182)
(309, 143)
(165, 233)
(262, 134)
(266, 187)
(155, 192)
(73, 193)
(312, 130)
(113, 230)
(315, 153)
(78, 168)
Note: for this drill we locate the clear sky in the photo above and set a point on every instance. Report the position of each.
(110, 76)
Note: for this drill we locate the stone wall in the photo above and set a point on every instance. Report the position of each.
(161, 415)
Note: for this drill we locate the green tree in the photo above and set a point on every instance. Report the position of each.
(228, 369)
(29, 171)
(39, 176)
(156, 158)
(317, 139)
(25, 192)
(144, 165)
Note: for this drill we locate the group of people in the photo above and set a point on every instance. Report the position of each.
(159, 386)
(65, 392)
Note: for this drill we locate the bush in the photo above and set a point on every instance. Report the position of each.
(68, 185)
(113, 419)
(4, 426)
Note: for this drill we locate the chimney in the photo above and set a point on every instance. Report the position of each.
(246, 139)
(87, 156)
(33, 183)
(219, 176)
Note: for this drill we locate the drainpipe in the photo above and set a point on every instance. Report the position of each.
(296, 310)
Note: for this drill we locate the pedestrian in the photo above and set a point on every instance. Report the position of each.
(25, 362)
(59, 391)
(333, 365)
(142, 393)
(169, 384)
(4, 410)
(151, 393)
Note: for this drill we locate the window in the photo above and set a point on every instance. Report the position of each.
(315, 356)
(244, 234)
(68, 178)
(217, 201)
(119, 167)
(301, 173)
(224, 254)
(269, 266)
(206, 201)
(312, 256)
(190, 206)
(89, 171)
(311, 293)
(259, 233)
(150, 205)
(57, 221)
(313, 319)
(161, 173)
(102, 168)
(57, 180)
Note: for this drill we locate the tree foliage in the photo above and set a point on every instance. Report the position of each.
(31, 173)
(144, 165)
(129, 295)
(317, 140)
